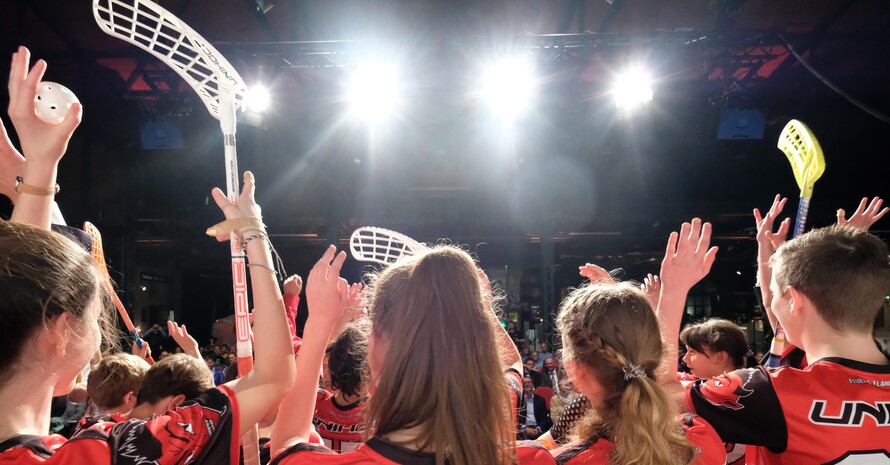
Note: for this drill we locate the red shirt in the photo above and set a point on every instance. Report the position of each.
(833, 411)
(709, 448)
(379, 452)
(201, 430)
(339, 426)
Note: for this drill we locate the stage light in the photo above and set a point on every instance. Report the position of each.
(632, 89)
(374, 90)
(508, 87)
(257, 99)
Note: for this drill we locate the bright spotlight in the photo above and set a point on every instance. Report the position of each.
(508, 86)
(633, 89)
(257, 99)
(374, 90)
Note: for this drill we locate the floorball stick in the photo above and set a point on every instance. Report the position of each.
(157, 31)
(379, 245)
(99, 259)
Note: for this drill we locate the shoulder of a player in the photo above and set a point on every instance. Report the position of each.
(594, 451)
(90, 447)
(305, 452)
(533, 453)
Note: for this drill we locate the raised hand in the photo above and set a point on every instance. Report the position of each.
(595, 274)
(688, 257)
(180, 334)
(864, 216)
(327, 294)
(41, 141)
(144, 353)
(293, 285)
(244, 206)
(767, 240)
(652, 287)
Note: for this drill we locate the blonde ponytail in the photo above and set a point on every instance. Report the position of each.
(611, 330)
(646, 430)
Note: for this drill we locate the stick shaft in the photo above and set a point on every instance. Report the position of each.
(802, 209)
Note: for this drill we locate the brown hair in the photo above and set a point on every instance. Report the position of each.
(42, 275)
(113, 377)
(175, 375)
(717, 335)
(347, 359)
(609, 329)
(442, 373)
(844, 271)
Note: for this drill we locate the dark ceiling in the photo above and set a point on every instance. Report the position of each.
(606, 187)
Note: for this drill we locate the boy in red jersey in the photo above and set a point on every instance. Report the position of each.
(827, 286)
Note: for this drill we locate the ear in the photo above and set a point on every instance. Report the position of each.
(175, 401)
(720, 357)
(799, 304)
(56, 333)
(130, 400)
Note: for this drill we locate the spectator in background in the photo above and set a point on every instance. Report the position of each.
(534, 358)
(534, 417)
(530, 371)
(552, 375)
(525, 353)
(543, 354)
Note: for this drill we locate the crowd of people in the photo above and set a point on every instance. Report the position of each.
(414, 367)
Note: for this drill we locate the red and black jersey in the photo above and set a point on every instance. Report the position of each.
(340, 426)
(834, 411)
(709, 448)
(202, 430)
(378, 452)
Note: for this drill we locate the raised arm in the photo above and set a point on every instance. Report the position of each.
(767, 244)
(327, 298)
(273, 373)
(864, 216)
(181, 335)
(687, 260)
(43, 143)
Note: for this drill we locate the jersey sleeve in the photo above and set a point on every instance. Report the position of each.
(570, 416)
(709, 448)
(742, 406)
(203, 429)
(531, 453)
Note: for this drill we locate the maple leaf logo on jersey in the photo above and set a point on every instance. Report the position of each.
(727, 390)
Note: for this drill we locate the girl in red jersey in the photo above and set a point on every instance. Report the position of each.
(435, 357)
(611, 349)
(56, 309)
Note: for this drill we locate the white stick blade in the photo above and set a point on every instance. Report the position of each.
(150, 27)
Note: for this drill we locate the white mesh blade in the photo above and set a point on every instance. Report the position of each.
(152, 28)
(370, 244)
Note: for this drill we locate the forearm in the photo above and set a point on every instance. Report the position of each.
(261, 390)
(671, 306)
(295, 427)
(764, 278)
(33, 208)
(273, 349)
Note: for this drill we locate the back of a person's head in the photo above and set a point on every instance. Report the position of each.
(844, 271)
(442, 360)
(114, 377)
(717, 335)
(346, 361)
(178, 374)
(43, 275)
(611, 331)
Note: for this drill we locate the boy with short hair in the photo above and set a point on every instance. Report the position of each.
(828, 286)
(114, 383)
